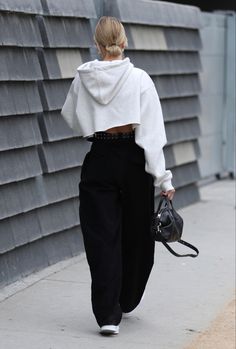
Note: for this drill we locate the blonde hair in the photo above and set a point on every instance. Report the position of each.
(110, 34)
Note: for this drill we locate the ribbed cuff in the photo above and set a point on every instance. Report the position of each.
(166, 186)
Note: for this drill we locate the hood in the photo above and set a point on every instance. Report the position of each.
(104, 79)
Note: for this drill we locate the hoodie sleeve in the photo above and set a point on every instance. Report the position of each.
(151, 136)
(68, 111)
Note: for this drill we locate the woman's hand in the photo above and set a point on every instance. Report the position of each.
(170, 194)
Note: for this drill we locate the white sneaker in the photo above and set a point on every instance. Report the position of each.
(109, 329)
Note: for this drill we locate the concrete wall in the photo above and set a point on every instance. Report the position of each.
(217, 97)
(43, 42)
(40, 157)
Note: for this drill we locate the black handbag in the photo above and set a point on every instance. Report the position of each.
(167, 226)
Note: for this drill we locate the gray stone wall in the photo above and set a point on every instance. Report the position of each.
(42, 44)
(40, 157)
(217, 97)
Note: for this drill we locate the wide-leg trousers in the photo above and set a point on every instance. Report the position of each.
(116, 202)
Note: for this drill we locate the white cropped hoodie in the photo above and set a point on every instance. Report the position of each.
(105, 94)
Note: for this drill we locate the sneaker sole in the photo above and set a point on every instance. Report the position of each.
(107, 330)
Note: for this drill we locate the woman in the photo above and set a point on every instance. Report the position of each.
(115, 106)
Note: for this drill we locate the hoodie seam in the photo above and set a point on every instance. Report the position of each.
(105, 67)
(99, 86)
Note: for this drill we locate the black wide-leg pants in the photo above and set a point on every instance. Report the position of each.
(116, 203)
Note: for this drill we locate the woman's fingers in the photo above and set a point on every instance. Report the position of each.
(170, 194)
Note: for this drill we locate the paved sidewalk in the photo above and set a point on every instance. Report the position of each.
(183, 295)
(221, 332)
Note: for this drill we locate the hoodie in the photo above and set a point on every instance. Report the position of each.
(106, 94)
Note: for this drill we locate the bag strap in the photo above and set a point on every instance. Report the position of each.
(162, 200)
(182, 255)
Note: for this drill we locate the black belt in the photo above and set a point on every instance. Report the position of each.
(102, 135)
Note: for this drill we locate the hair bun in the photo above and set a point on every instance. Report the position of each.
(113, 49)
(109, 46)
(109, 34)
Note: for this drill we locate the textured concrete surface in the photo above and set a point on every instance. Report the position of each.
(52, 310)
(221, 332)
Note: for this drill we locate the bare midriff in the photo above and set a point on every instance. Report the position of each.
(124, 128)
